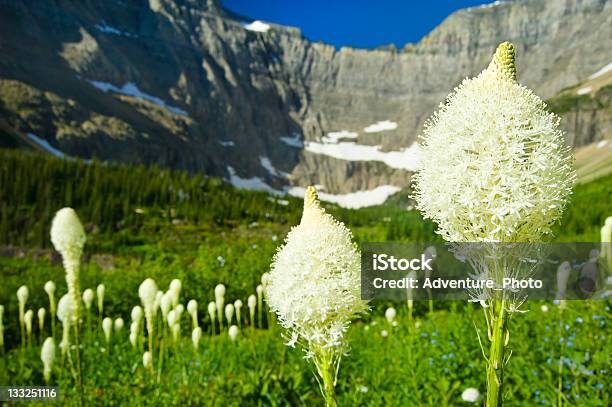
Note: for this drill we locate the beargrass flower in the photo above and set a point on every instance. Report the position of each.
(119, 324)
(88, 297)
(390, 314)
(252, 303)
(47, 356)
(237, 308)
(175, 290)
(107, 327)
(165, 304)
(192, 309)
(314, 287)
(147, 293)
(494, 167)
(134, 328)
(50, 290)
(196, 335)
(68, 238)
(137, 314)
(100, 290)
(470, 395)
(27, 320)
(212, 309)
(220, 302)
(229, 313)
(233, 332)
(147, 360)
(259, 290)
(22, 298)
(41, 319)
(65, 313)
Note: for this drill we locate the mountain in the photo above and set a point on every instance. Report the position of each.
(191, 85)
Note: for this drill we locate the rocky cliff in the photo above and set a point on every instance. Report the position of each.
(191, 85)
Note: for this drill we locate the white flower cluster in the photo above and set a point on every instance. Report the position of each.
(494, 167)
(314, 284)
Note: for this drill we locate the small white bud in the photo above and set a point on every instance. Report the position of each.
(22, 295)
(107, 326)
(196, 335)
(27, 319)
(192, 307)
(229, 313)
(233, 332)
(147, 360)
(137, 314)
(390, 314)
(470, 395)
(119, 324)
(47, 355)
(88, 296)
(212, 309)
(50, 288)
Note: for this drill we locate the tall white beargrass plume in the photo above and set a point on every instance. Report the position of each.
(212, 310)
(100, 290)
(65, 313)
(219, 303)
(148, 293)
(314, 287)
(494, 167)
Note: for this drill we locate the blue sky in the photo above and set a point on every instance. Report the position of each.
(358, 23)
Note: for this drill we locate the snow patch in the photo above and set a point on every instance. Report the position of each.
(335, 136)
(253, 183)
(108, 29)
(353, 200)
(602, 71)
(130, 89)
(267, 164)
(406, 159)
(228, 143)
(294, 141)
(584, 91)
(45, 144)
(602, 144)
(381, 126)
(257, 25)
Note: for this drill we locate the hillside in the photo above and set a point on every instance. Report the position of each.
(189, 85)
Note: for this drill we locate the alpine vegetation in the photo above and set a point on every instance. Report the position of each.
(494, 168)
(314, 288)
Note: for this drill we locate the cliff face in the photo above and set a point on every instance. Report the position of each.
(188, 84)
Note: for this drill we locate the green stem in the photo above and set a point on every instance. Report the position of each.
(495, 366)
(327, 364)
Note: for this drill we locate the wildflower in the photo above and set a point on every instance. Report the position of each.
(544, 308)
(220, 302)
(65, 313)
(470, 395)
(259, 290)
(252, 303)
(41, 319)
(22, 298)
(137, 314)
(390, 314)
(192, 308)
(229, 313)
(233, 332)
(494, 168)
(148, 293)
(133, 338)
(50, 290)
(47, 355)
(314, 287)
(165, 304)
(100, 289)
(196, 335)
(147, 360)
(107, 327)
(237, 307)
(384, 333)
(27, 320)
(119, 324)
(68, 238)
(212, 309)
(175, 290)
(88, 296)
